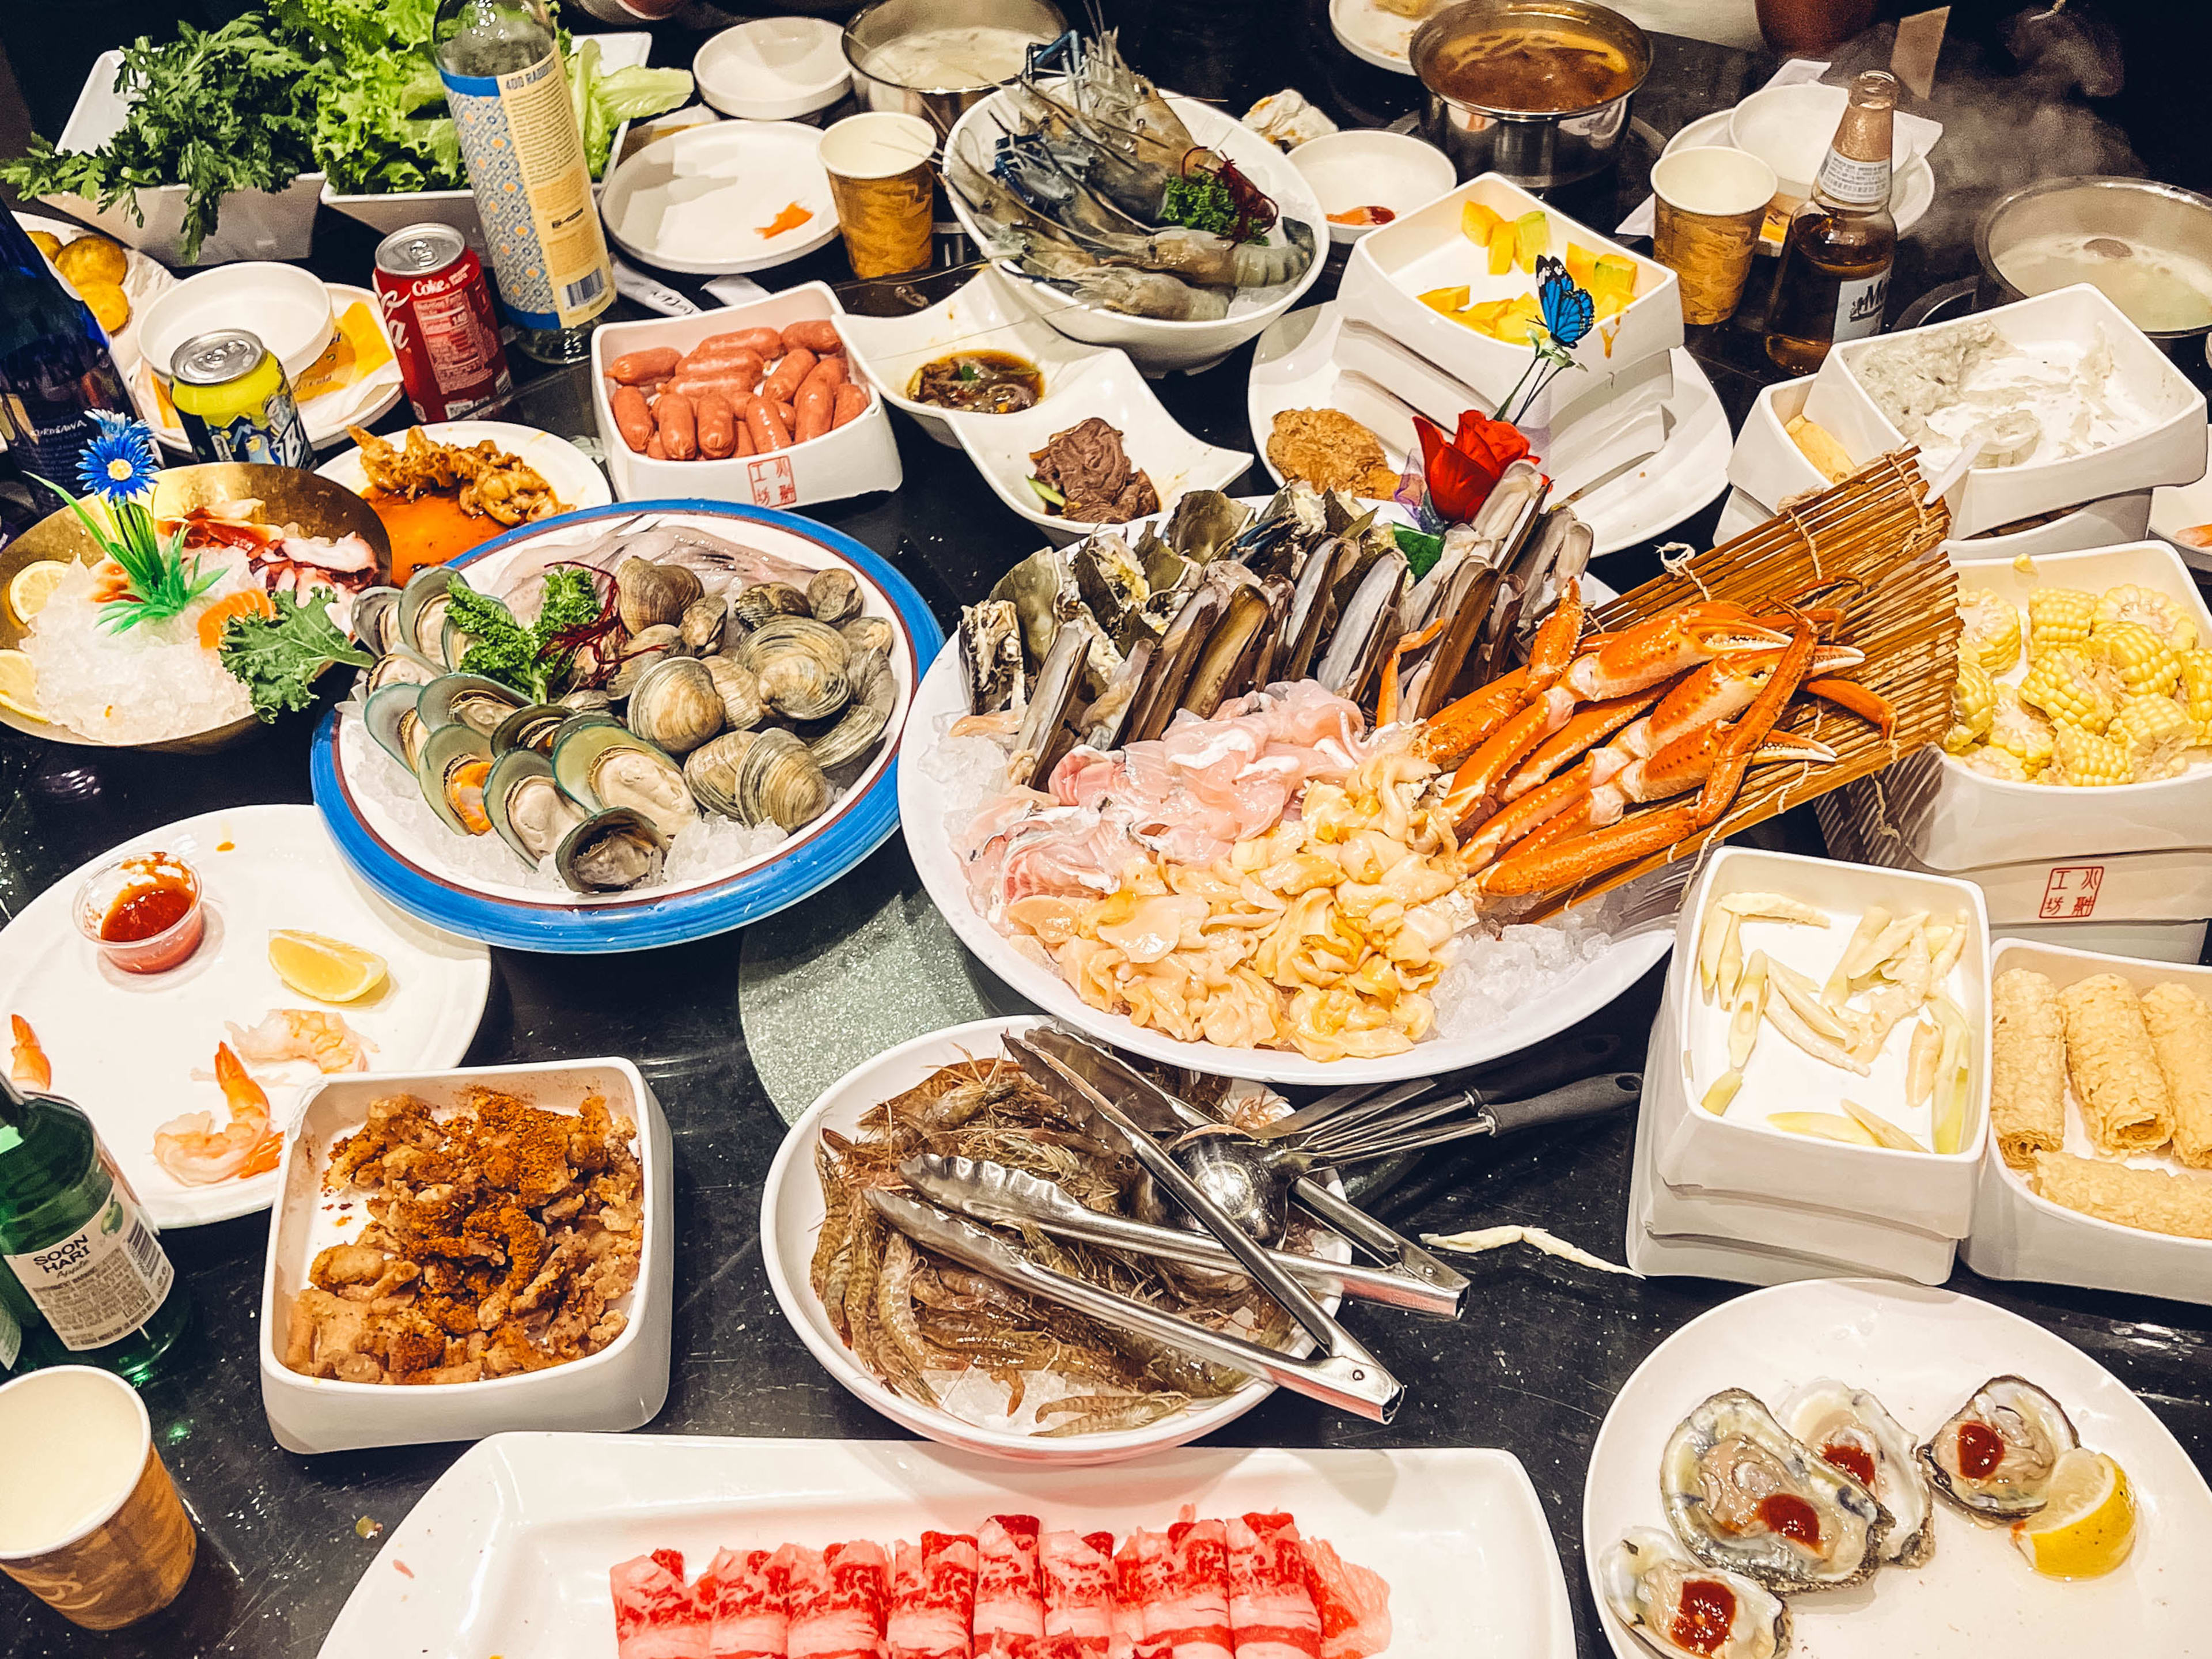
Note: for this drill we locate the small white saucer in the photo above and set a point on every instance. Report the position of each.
(1372, 34)
(698, 200)
(774, 68)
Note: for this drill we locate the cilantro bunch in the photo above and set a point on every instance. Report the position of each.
(534, 660)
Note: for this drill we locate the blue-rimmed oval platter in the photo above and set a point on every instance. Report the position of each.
(716, 878)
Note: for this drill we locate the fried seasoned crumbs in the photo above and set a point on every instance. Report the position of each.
(499, 1237)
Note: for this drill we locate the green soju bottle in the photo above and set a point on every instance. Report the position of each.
(95, 1286)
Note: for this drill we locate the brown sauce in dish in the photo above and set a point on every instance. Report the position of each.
(1534, 71)
(981, 382)
(430, 529)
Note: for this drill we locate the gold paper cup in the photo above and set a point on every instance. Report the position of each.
(1710, 204)
(882, 177)
(90, 1522)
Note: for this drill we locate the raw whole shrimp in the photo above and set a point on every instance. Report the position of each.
(28, 1064)
(302, 1033)
(195, 1153)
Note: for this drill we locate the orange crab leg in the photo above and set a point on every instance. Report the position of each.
(1643, 656)
(1476, 781)
(1386, 706)
(1589, 726)
(1553, 651)
(1856, 699)
(1457, 729)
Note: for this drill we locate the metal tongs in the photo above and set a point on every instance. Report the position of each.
(1342, 1373)
(1162, 1113)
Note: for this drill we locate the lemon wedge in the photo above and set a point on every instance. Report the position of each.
(2087, 1526)
(328, 969)
(32, 586)
(19, 685)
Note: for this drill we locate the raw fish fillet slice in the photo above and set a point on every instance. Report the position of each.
(1078, 1594)
(658, 1615)
(1198, 1591)
(1141, 1574)
(1353, 1601)
(1271, 1611)
(836, 1600)
(1009, 1597)
(933, 1597)
(751, 1620)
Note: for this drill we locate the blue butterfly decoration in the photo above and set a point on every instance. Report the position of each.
(1568, 310)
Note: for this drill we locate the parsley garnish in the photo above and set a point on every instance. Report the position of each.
(278, 657)
(531, 659)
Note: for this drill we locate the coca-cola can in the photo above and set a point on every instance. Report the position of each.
(438, 310)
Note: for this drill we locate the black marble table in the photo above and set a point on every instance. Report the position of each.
(1531, 1369)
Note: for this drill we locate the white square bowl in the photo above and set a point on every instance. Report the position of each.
(1739, 1154)
(1768, 465)
(856, 457)
(620, 1386)
(252, 224)
(2019, 1235)
(2170, 451)
(1110, 387)
(1389, 270)
(391, 210)
(987, 313)
(1947, 816)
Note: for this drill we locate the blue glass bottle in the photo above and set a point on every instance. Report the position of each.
(55, 364)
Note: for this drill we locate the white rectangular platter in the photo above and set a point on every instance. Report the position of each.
(508, 1552)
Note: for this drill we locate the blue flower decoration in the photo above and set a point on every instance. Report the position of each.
(1568, 310)
(119, 463)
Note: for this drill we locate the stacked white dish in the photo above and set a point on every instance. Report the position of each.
(2062, 862)
(1734, 1196)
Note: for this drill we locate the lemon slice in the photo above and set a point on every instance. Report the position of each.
(2087, 1526)
(328, 969)
(19, 685)
(32, 586)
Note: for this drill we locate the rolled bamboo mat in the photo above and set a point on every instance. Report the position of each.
(1877, 536)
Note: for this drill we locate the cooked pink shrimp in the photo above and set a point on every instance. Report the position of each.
(28, 1064)
(302, 1033)
(198, 1153)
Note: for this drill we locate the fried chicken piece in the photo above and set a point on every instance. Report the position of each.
(400, 1120)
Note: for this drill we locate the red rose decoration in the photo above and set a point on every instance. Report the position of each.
(1461, 470)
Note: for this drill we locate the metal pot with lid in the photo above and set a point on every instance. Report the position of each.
(1537, 90)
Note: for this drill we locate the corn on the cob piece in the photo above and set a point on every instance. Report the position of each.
(1973, 700)
(2195, 690)
(2064, 684)
(2020, 732)
(2082, 760)
(2145, 664)
(2181, 1036)
(2027, 1067)
(2058, 616)
(2165, 616)
(2156, 732)
(1998, 763)
(1991, 632)
(2125, 1104)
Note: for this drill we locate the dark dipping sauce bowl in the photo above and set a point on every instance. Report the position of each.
(1485, 93)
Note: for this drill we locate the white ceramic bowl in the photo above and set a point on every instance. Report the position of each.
(1790, 127)
(987, 313)
(620, 1386)
(791, 1216)
(698, 200)
(1110, 387)
(1740, 1154)
(854, 458)
(286, 306)
(2182, 515)
(2019, 1234)
(1367, 167)
(774, 68)
(1155, 346)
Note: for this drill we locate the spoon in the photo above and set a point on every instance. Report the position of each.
(1250, 1180)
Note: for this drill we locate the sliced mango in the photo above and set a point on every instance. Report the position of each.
(1501, 251)
(1446, 299)
(1581, 264)
(1612, 273)
(1476, 222)
(1531, 235)
(1611, 302)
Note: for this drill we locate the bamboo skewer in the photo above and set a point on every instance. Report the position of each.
(1875, 532)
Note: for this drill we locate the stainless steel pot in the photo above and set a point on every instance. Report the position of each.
(1535, 150)
(879, 25)
(2133, 216)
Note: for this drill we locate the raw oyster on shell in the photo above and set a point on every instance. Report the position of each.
(1686, 1610)
(1855, 1431)
(1994, 1455)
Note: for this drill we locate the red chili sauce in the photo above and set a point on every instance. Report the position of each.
(1706, 1617)
(1792, 1517)
(1981, 1450)
(1855, 1461)
(143, 912)
(154, 920)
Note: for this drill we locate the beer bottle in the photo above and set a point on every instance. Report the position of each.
(1840, 245)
